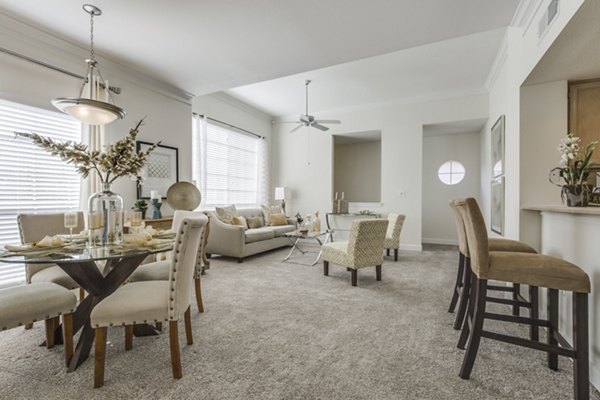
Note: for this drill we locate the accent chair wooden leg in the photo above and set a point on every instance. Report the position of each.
(175, 356)
(128, 337)
(81, 294)
(68, 337)
(188, 326)
(325, 268)
(458, 283)
(475, 337)
(465, 292)
(581, 365)
(198, 290)
(395, 254)
(387, 252)
(553, 327)
(466, 330)
(50, 327)
(240, 260)
(28, 326)
(534, 330)
(99, 356)
(354, 276)
(378, 272)
(158, 325)
(516, 292)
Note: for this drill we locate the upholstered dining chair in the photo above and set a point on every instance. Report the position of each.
(32, 228)
(163, 300)
(462, 286)
(21, 305)
(364, 248)
(392, 235)
(533, 270)
(159, 270)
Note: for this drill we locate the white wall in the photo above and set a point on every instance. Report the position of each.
(438, 222)
(357, 171)
(304, 159)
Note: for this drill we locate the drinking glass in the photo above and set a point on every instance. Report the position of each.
(71, 222)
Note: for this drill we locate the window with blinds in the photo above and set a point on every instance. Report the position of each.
(228, 166)
(32, 180)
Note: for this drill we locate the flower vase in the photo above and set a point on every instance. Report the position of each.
(575, 195)
(156, 204)
(105, 220)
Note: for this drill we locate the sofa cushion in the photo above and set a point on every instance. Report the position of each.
(268, 210)
(251, 213)
(241, 221)
(254, 222)
(258, 234)
(280, 230)
(226, 214)
(278, 219)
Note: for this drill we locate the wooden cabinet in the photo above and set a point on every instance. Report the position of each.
(584, 112)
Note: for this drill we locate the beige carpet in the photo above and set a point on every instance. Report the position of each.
(276, 330)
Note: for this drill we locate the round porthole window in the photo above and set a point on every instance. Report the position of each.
(451, 172)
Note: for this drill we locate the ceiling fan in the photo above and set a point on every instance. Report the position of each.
(309, 120)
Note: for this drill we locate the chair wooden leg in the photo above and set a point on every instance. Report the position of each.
(81, 294)
(458, 283)
(354, 277)
(480, 291)
(128, 337)
(325, 268)
(240, 260)
(378, 272)
(534, 330)
(387, 252)
(99, 356)
(198, 290)
(68, 337)
(553, 319)
(158, 325)
(581, 365)
(188, 326)
(175, 356)
(516, 292)
(466, 330)
(51, 325)
(464, 295)
(28, 326)
(395, 254)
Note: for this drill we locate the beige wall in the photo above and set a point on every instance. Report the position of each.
(357, 171)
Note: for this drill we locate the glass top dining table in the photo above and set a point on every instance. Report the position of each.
(84, 265)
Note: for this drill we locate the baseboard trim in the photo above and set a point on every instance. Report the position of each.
(440, 241)
(411, 247)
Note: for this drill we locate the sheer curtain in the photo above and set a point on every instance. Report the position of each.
(264, 184)
(96, 138)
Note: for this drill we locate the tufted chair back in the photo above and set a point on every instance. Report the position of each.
(185, 253)
(178, 216)
(365, 244)
(460, 228)
(477, 238)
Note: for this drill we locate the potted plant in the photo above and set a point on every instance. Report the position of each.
(142, 206)
(573, 171)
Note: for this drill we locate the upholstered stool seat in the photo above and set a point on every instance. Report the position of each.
(537, 270)
(54, 274)
(155, 271)
(497, 244)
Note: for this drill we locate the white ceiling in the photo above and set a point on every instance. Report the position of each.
(454, 127)
(207, 46)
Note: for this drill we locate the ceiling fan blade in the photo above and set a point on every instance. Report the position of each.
(296, 128)
(305, 118)
(328, 121)
(287, 122)
(321, 127)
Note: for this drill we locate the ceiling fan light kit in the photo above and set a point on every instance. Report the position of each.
(309, 120)
(89, 107)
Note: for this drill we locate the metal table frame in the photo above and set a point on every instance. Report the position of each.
(295, 237)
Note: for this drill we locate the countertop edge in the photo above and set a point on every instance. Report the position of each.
(563, 209)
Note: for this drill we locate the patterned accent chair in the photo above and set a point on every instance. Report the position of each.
(160, 300)
(392, 236)
(363, 249)
(21, 305)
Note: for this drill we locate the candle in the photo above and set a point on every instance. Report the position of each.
(154, 194)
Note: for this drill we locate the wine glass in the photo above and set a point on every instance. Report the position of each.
(71, 222)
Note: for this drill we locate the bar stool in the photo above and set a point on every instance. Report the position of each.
(462, 285)
(530, 269)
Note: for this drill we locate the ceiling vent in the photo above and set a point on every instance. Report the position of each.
(549, 16)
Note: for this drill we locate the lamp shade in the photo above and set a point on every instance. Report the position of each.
(89, 111)
(282, 193)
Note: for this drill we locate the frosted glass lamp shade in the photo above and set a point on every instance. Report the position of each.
(89, 111)
(282, 193)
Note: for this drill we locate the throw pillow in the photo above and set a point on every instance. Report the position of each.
(278, 219)
(237, 220)
(226, 214)
(254, 222)
(270, 210)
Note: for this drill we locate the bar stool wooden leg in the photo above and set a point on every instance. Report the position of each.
(458, 284)
(464, 334)
(175, 356)
(581, 365)
(198, 290)
(516, 292)
(51, 324)
(480, 291)
(188, 326)
(553, 319)
(99, 356)
(464, 294)
(68, 337)
(534, 330)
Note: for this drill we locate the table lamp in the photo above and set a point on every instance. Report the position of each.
(282, 193)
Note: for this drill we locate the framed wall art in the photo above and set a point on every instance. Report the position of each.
(161, 170)
(498, 148)
(497, 217)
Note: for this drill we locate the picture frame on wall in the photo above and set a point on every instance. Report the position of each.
(497, 209)
(161, 170)
(497, 151)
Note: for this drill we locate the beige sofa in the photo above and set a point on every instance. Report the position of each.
(235, 241)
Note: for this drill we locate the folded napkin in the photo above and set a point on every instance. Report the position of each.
(50, 241)
(16, 248)
(137, 238)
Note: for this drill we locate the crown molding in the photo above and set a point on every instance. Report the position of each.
(498, 64)
(31, 41)
(232, 101)
(525, 12)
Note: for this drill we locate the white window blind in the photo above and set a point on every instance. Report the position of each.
(32, 180)
(227, 165)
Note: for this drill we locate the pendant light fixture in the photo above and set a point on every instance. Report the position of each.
(94, 106)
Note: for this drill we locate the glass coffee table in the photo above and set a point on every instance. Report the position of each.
(296, 236)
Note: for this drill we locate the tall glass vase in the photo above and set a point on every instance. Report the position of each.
(105, 220)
